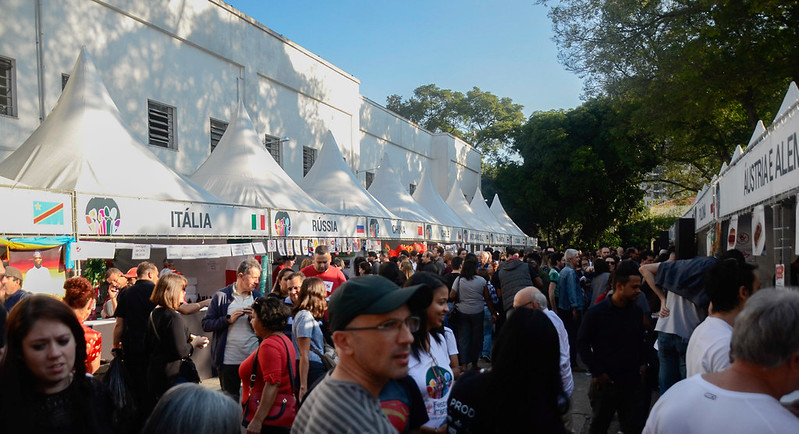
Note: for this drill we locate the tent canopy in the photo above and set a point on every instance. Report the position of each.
(427, 196)
(502, 217)
(242, 171)
(387, 189)
(458, 203)
(85, 146)
(481, 210)
(331, 182)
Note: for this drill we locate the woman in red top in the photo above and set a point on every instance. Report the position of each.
(80, 296)
(275, 358)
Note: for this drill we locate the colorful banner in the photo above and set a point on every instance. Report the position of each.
(305, 224)
(758, 230)
(42, 272)
(36, 212)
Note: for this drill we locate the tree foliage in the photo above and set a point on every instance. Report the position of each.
(581, 173)
(701, 72)
(482, 119)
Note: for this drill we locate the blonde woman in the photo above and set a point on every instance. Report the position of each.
(307, 332)
(168, 339)
(406, 268)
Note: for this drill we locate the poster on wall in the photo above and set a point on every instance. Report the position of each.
(42, 271)
(758, 230)
(732, 235)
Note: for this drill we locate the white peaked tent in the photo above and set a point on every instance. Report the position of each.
(242, 171)
(84, 145)
(791, 97)
(502, 217)
(481, 210)
(461, 207)
(387, 189)
(331, 182)
(427, 196)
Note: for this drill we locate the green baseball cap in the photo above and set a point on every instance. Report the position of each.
(372, 295)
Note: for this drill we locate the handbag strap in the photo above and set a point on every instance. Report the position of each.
(152, 323)
(254, 373)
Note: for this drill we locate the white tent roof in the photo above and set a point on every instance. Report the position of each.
(499, 212)
(84, 145)
(242, 171)
(427, 196)
(790, 99)
(331, 182)
(387, 189)
(481, 210)
(458, 203)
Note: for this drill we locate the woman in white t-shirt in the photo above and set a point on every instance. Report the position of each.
(431, 362)
(307, 333)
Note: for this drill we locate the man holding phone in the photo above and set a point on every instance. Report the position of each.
(228, 317)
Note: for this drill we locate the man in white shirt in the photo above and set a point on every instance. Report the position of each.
(729, 283)
(745, 397)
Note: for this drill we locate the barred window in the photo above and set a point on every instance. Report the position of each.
(308, 158)
(161, 125)
(218, 128)
(8, 84)
(272, 144)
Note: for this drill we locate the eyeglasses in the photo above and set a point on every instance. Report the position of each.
(412, 322)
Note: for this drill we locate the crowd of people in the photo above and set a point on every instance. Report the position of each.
(434, 341)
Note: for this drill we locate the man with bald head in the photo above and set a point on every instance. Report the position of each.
(532, 297)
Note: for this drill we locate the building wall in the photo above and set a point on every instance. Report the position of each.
(201, 57)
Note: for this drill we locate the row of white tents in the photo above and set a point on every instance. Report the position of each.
(82, 173)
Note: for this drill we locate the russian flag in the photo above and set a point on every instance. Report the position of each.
(359, 229)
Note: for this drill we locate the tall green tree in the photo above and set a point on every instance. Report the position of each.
(482, 119)
(581, 173)
(701, 72)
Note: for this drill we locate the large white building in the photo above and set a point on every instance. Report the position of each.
(177, 69)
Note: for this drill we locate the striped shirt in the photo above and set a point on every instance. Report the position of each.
(336, 406)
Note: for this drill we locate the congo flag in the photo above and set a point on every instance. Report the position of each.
(48, 213)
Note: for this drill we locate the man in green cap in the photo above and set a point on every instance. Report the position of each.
(371, 321)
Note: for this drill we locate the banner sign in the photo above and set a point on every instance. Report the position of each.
(768, 169)
(110, 216)
(703, 209)
(309, 225)
(36, 212)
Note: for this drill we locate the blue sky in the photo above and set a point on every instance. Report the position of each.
(503, 47)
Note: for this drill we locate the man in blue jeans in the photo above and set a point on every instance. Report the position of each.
(679, 317)
(570, 301)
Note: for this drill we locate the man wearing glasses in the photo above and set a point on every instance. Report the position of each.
(371, 321)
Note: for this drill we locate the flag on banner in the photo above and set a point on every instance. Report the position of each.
(48, 213)
(259, 222)
(359, 229)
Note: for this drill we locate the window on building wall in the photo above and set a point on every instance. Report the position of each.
(308, 158)
(272, 144)
(8, 84)
(217, 130)
(370, 177)
(64, 80)
(161, 125)
(412, 188)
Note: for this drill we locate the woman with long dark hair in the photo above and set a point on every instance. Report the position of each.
(520, 392)
(307, 333)
(43, 383)
(472, 294)
(431, 363)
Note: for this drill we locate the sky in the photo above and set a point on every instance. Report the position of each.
(504, 47)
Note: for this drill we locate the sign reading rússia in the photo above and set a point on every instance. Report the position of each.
(311, 225)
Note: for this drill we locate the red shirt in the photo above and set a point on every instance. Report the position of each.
(94, 346)
(333, 277)
(272, 367)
